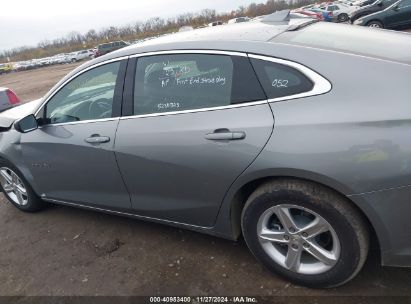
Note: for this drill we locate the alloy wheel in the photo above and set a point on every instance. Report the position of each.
(375, 25)
(343, 18)
(13, 186)
(298, 239)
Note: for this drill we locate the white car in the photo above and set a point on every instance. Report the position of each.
(340, 11)
(81, 55)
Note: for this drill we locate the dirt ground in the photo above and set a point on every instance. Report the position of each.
(68, 251)
(33, 84)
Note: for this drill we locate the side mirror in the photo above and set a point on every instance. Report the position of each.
(396, 8)
(27, 124)
(379, 4)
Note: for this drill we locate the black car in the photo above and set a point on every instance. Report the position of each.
(376, 6)
(105, 48)
(395, 16)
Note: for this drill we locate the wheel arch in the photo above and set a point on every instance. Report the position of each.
(28, 177)
(236, 199)
(376, 20)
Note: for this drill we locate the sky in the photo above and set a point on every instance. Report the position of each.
(31, 21)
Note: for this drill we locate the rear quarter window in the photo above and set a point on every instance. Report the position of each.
(279, 80)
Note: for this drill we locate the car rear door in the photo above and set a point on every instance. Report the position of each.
(194, 122)
(70, 156)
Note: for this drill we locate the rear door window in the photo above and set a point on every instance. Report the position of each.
(181, 82)
(279, 80)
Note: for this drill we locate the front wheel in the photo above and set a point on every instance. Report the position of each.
(306, 233)
(17, 190)
(375, 24)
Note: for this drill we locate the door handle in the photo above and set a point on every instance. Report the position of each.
(225, 134)
(97, 139)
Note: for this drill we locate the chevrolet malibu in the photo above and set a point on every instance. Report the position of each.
(259, 129)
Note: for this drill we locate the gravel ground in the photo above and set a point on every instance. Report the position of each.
(67, 251)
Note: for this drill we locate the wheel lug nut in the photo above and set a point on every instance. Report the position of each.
(305, 234)
(286, 237)
(294, 246)
(306, 245)
(292, 230)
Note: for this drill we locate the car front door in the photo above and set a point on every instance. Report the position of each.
(402, 16)
(70, 156)
(196, 123)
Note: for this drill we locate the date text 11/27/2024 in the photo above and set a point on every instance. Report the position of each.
(204, 299)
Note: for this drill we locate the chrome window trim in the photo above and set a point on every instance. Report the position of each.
(189, 51)
(239, 105)
(170, 52)
(321, 84)
(80, 122)
(76, 75)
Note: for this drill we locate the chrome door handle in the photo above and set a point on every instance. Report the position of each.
(225, 134)
(97, 139)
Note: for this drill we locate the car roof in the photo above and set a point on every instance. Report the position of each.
(357, 40)
(256, 31)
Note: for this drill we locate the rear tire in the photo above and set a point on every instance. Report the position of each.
(17, 190)
(343, 17)
(318, 239)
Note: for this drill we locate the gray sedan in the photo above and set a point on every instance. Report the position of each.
(260, 129)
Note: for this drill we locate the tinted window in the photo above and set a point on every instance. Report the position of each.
(88, 96)
(192, 81)
(279, 80)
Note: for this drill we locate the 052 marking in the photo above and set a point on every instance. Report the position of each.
(280, 83)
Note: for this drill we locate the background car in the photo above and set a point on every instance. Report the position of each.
(215, 23)
(8, 99)
(362, 3)
(339, 11)
(376, 6)
(5, 68)
(239, 20)
(327, 16)
(106, 48)
(317, 15)
(396, 16)
(80, 55)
